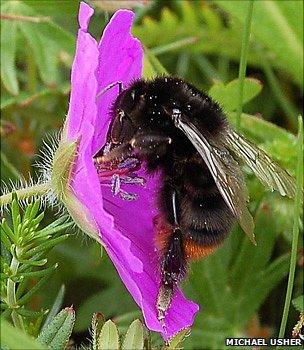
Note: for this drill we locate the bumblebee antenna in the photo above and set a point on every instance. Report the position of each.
(107, 88)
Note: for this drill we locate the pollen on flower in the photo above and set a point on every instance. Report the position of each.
(118, 173)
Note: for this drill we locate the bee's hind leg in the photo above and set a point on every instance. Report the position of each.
(173, 261)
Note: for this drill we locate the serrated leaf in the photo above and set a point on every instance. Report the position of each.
(298, 303)
(134, 338)
(57, 333)
(98, 321)
(108, 337)
(8, 56)
(227, 95)
(213, 37)
(43, 52)
(178, 339)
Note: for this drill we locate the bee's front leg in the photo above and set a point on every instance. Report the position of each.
(142, 144)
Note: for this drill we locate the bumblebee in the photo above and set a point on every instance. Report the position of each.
(181, 132)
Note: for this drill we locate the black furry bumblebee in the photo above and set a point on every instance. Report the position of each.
(173, 127)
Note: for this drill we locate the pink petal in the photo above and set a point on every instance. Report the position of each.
(126, 228)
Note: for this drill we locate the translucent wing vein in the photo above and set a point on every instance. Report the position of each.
(267, 170)
(226, 173)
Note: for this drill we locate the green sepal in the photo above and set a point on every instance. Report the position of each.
(63, 164)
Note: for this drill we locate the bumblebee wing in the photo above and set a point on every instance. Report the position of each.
(226, 173)
(267, 170)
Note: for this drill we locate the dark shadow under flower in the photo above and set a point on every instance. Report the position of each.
(125, 227)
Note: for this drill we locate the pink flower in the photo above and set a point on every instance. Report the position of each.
(125, 228)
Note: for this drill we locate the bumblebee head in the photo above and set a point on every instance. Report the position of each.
(125, 114)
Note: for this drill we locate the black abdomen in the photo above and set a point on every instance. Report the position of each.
(203, 215)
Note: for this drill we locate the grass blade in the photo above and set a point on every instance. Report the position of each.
(295, 230)
(243, 60)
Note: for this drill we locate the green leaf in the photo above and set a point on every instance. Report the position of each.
(152, 66)
(26, 297)
(134, 338)
(178, 339)
(260, 254)
(108, 337)
(46, 40)
(285, 39)
(58, 331)
(55, 7)
(202, 22)
(298, 303)
(39, 273)
(45, 246)
(8, 56)
(15, 339)
(32, 314)
(8, 170)
(209, 333)
(24, 99)
(98, 321)
(102, 300)
(228, 95)
(55, 307)
(259, 286)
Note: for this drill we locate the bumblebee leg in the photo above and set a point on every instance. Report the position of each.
(107, 88)
(146, 143)
(173, 265)
(141, 143)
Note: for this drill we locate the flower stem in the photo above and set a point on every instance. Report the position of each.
(22, 193)
(11, 294)
(295, 231)
(243, 61)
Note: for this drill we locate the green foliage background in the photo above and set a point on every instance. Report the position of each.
(241, 288)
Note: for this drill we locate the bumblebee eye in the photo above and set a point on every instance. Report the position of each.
(122, 129)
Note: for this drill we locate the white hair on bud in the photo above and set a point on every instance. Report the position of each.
(44, 166)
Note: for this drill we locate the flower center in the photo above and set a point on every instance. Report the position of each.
(118, 173)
